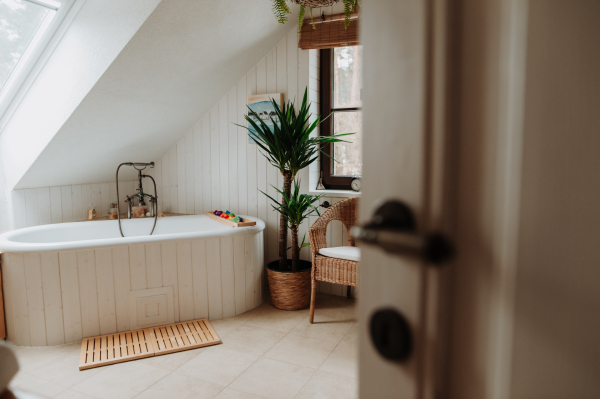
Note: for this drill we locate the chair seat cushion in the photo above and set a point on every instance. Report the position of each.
(348, 253)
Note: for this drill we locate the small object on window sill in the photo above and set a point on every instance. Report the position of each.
(356, 183)
(320, 185)
(325, 204)
(112, 216)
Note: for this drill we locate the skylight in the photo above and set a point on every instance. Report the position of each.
(23, 24)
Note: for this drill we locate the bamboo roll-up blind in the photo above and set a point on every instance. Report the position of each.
(329, 33)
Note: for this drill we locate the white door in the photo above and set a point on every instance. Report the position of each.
(403, 160)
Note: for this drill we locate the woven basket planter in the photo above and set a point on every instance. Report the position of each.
(290, 290)
(315, 3)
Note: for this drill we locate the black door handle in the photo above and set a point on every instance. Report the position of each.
(393, 228)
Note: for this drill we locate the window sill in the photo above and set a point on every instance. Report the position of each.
(336, 193)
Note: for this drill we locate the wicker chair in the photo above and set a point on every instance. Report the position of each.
(328, 269)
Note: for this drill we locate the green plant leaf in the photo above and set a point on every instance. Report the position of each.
(281, 10)
(301, 19)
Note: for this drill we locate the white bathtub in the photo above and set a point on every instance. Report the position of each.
(68, 281)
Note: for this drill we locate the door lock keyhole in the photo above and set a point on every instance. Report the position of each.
(391, 335)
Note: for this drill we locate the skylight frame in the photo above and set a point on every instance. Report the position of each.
(34, 55)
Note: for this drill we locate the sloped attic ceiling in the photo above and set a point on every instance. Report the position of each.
(179, 63)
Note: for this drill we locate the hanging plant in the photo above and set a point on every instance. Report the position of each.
(281, 10)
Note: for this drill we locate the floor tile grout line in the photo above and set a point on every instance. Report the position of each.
(338, 344)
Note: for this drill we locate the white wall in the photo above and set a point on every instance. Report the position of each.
(96, 36)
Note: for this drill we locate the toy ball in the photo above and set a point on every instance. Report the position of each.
(224, 216)
(231, 217)
(227, 212)
(236, 219)
(218, 213)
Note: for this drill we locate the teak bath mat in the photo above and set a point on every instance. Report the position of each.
(147, 342)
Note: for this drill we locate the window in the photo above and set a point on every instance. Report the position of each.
(23, 25)
(341, 85)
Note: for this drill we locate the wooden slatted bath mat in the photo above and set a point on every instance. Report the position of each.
(147, 342)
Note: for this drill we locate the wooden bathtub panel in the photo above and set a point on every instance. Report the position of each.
(122, 286)
(250, 247)
(213, 265)
(106, 291)
(19, 292)
(61, 297)
(227, 279)
(239, 271)
(137, 267)
(90, 319)
(35, 299)
(200, 278)
(55, 331)
(185, 280)
(7, 291)
(153, 266)
(69, 282)
(169, 266)
(258, 269)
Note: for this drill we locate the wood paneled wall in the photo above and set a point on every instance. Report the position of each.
(46, 205)
(54, 298)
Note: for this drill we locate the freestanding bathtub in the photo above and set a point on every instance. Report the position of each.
(64, 282)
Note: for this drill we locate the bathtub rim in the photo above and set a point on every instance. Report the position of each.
(6, 245)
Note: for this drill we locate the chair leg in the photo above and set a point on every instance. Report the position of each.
(349, 291)
(313, 295)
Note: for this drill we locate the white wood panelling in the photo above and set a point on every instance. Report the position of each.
(227, 276)
(53, 309)
(213, 262)
(69, 284)
(88, 294)
(122, 283)
(185, 280)
(35, 299)
(47, 205)
(200, 279)
(55, 298)
(106, 291)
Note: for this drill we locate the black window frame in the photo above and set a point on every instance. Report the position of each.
(330, 181)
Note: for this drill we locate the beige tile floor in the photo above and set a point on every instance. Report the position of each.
(266, 354)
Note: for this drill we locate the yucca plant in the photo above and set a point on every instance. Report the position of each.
(289, 147)
(295, 208)
(281, 10)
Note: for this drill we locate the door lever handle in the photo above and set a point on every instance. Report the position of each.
(393, 229)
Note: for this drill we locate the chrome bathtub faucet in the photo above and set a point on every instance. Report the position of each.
(141, 196)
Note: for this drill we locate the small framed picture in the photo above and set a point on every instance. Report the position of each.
(261, 104)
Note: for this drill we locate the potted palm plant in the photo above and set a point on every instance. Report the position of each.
(290, 290)
(287, 144)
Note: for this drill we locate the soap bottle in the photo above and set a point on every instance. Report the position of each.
(112, 212)
(92, 212)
